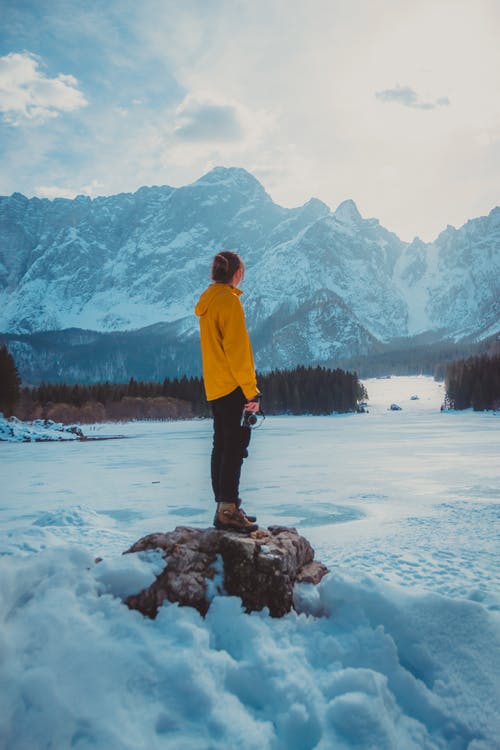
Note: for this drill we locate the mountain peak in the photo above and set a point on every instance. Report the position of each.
(19, 197)
(231, 176)
(448, 233)
(494, 217)
(317, 204)
(347, 212)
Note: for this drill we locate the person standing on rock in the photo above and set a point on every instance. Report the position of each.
(230, 385)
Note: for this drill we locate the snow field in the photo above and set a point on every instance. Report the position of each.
(399, 647)
(381, 668)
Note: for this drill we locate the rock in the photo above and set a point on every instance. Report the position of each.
(261, 568)
(395, 407)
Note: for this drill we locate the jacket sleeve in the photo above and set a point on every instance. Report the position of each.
(237, 347)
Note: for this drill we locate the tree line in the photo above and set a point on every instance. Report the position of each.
(311, 390)
(412, 358)
(302, 390)
(10, 382)
(473, 382)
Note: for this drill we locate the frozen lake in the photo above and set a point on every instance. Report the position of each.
(403, 506)
(411, 496)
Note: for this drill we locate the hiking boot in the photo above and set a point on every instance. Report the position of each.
(230, 518)
(252, 519)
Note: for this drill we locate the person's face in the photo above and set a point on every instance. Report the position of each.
(238, 276)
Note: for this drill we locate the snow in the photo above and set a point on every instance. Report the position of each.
(398, 647)
(416, 292)
(13, 430)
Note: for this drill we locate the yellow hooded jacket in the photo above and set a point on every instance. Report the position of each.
(226, 351)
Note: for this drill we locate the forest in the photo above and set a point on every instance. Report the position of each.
(473, 382)
(303, 390)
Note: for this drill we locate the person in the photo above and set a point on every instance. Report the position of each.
(230, 385)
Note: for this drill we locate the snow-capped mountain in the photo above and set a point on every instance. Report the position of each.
(319, 284)
(453, 284)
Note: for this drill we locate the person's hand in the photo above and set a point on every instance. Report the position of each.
(252, 406)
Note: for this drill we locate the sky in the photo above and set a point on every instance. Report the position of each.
(391, 103)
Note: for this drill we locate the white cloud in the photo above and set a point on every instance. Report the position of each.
(26, 93)
(55, 191)
(317, 74)
(211, 118)
(208, 130)
(285, 89)
(408, 97)
(208, 121)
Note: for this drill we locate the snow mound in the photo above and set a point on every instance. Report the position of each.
(130, 574)
(13, 430)
(364, 665)
(76, 515)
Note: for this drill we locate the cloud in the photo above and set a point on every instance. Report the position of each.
(208, 129)
(26, 93)
(208, 121)
(199, 91)
(54, 191)
(408, 97)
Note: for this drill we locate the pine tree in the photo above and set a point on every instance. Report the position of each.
(473, 382)
(10, 382)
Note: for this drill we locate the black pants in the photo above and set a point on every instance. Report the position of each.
(230, 446)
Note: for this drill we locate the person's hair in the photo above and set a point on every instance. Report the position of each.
(225, 265)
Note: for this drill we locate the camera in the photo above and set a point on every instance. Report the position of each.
(252, 419)
(249, 418)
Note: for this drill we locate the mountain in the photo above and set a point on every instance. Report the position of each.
(453, 284)
(126, 271)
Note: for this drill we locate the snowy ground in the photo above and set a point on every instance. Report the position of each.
(403, 506)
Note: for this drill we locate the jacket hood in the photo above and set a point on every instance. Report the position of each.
(213, 291)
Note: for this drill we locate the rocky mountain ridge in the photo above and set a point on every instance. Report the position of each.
(319, 285)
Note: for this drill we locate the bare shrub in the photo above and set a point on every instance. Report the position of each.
(128, 408)
(92, 411)
(28, 410)
(65, 413)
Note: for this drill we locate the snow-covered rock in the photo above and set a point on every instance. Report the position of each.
(13, 430)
